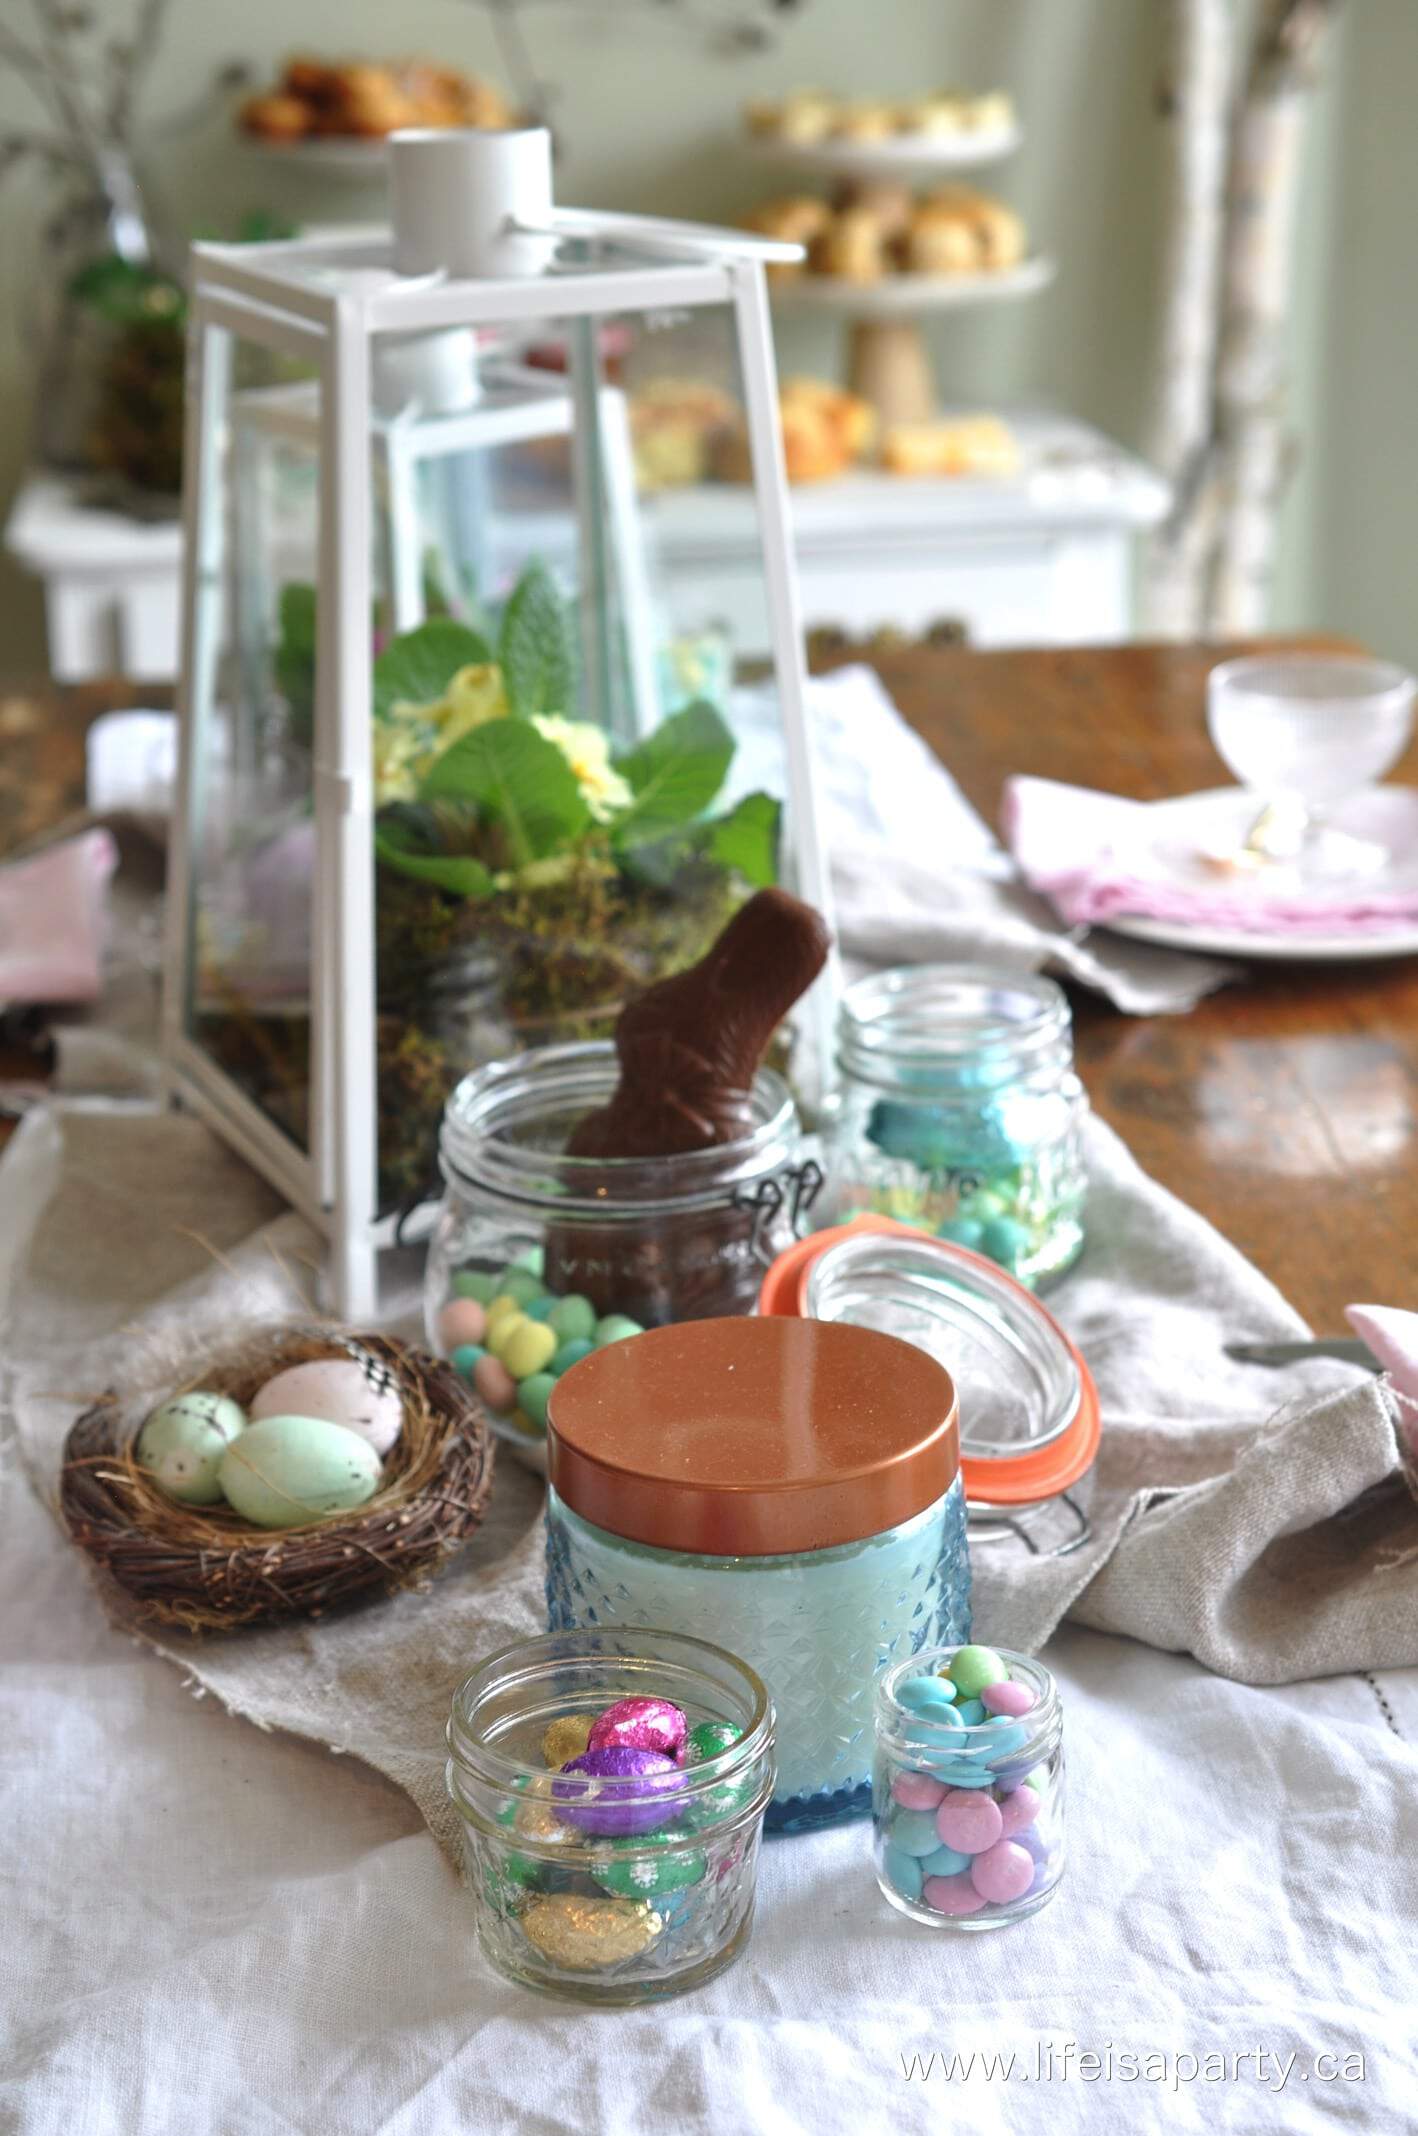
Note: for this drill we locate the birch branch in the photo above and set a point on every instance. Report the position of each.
(1193, 95)
(1258, 272)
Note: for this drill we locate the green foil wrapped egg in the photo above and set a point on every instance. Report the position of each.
(182, 1444)
(286, 1471)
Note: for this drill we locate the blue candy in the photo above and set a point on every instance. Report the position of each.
(971, 1712)
(1008, 1736)
(914, 1832)
(465, 1358)
(904, 1872)
(946, 1861)
(570, 1353)
(963, 1231)
(929, 1695)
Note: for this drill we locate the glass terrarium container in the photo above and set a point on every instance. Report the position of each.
(462, 772)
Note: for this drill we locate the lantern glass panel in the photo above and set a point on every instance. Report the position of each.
(579, 759)
(252, 689)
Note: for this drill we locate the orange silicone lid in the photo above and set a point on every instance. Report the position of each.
(1015, 1479)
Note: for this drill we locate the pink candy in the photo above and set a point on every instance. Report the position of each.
(1018, 1810)
(1007, 1697)
(462, 1320)
(1003, 1872)
(917, 1791)
(952, 1894)
(639, 1724)
(969, 1820)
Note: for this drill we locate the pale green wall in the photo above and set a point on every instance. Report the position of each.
(649, 121)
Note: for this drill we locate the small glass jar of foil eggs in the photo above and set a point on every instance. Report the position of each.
(959, 1112)
(1030, 1418)
(793, 1486)
(967, 1792)
(611, 1787)
(537, 1257)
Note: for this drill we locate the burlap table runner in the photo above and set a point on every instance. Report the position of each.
(1271, 1549)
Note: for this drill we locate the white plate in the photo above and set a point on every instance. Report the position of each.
(901, 295)
(890, 158)
(1201, 820)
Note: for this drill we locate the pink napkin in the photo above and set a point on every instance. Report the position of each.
(1393, 1337)
(1098, 856)
(51, 921)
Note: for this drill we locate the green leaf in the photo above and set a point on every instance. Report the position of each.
(408, 839)
(418, 667)
(746, 840)
(294, 659)
(518, 778)
(674, 774)
(535, 649)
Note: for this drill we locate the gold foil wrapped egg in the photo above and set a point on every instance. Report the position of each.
(583, 1934)
(537, 1819)
(566, 1738)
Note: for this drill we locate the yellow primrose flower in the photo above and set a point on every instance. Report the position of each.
(472, 698)
(400, 753)
(587, 750)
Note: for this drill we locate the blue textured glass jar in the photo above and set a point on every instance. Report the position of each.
(959, 1111)
(792, 1487)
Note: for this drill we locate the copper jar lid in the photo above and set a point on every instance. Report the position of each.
(751, 1438)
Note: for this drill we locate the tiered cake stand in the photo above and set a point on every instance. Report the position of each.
(888, 363)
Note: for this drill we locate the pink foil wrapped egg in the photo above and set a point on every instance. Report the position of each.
(639, 1724)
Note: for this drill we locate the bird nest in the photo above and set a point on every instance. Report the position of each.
(204, 1568)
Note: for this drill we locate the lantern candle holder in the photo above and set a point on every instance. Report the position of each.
(450, 786)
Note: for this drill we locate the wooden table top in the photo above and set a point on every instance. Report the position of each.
(1284, 1108)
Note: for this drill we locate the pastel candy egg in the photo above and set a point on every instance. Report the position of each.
(182, 1444)
(946, 1861)
(501, 1331)
(1007, 1697)
(465, 1358)
(495, 1384)
(520, 1284)
(359, 1393)
(970, 1712)
(612, 1791)
(1004, 1241)
(573, 1317)
(528, 1348)
(968, 1821)
(502, 1308)
(917, 1791)
(533, 1394)
(540, 1308)
(533, 1258)
(285, 1471)
(972, 1667)
(914, 1832)
(902, 1872)
(570, 1353)
(1002, 1872)
(472, 1283)
(640, 1724)
(962, 1231)
(926, 1695)
(1018, 1811)
(615, 1327)
(951, 1895)
(462, 1320)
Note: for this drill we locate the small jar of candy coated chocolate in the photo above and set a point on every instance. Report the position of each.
(539, 1257)
(967, 1793)
(611, 1789)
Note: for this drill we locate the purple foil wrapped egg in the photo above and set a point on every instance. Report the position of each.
(604, 1792)
(639, 1724)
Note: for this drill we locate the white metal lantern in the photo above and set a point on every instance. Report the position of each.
(455, 776)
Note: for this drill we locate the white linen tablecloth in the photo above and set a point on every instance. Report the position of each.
(208, 1928)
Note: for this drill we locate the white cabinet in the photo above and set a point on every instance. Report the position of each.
(1043, 558)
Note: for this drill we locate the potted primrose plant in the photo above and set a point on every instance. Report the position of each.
(529, 880)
